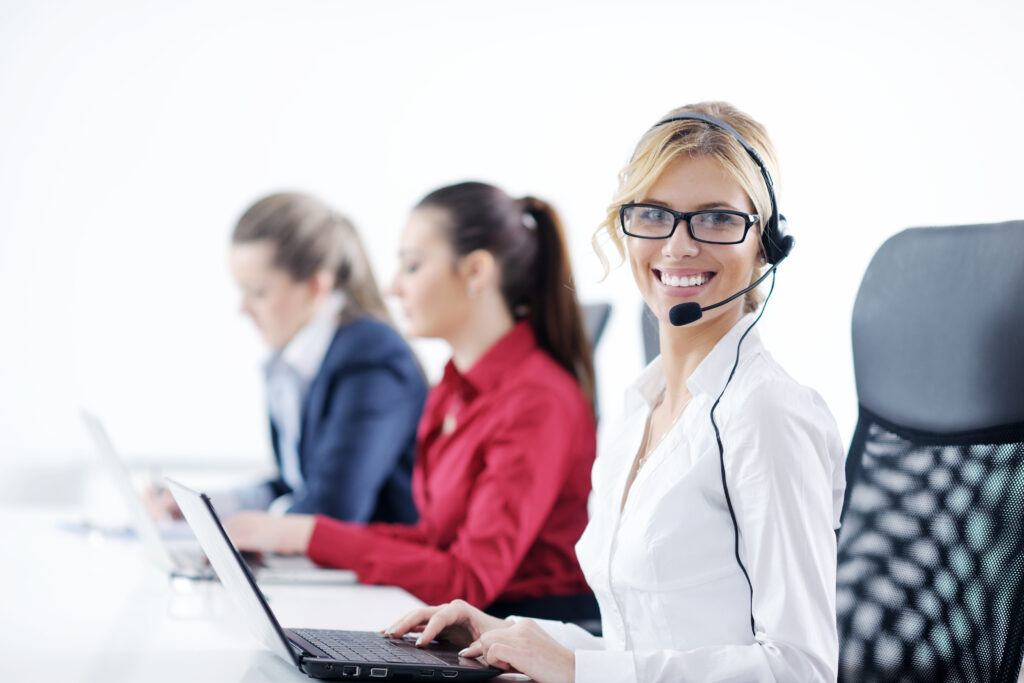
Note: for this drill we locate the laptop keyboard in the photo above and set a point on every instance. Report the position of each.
(366, 646)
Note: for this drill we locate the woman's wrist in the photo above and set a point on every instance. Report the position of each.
(297, 534)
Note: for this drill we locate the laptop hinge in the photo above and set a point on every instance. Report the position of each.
(304, 648)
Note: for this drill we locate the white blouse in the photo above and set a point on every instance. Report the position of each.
(289, 373)
(674, 604)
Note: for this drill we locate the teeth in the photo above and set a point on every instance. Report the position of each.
(685, 281)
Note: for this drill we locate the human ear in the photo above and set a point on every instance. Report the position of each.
(321, 283)
(478, 270)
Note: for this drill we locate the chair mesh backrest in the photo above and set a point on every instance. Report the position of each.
(931, 549)
(931, 557)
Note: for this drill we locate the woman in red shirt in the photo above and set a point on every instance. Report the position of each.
(507, 438)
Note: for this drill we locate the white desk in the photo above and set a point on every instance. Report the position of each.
(80, 608)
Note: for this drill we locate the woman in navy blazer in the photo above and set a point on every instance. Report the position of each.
(344, 391)
(358, 428)
(343, 388)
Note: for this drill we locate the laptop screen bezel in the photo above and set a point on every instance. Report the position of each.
(289, 645)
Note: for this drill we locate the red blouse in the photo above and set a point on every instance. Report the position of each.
(501, 480)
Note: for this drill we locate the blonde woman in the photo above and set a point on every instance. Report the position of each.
(711, 545)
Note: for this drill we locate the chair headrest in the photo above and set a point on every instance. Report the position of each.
(938, 329)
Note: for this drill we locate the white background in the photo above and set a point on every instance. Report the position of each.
(133, 133)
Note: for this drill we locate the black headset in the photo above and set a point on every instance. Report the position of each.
(776, 246)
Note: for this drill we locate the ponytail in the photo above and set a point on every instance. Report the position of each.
(554, 311)
(525, 237)
(354, 276)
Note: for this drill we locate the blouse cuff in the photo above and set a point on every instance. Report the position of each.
(569, 636)
(605, 666)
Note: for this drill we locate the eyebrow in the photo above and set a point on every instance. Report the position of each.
(701, 207)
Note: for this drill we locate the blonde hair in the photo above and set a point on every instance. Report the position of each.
(662, 145)
(308, 237)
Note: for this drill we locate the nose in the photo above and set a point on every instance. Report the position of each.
(680, 244)
(392, 287)
(245, 307)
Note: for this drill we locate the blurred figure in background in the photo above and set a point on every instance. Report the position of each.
(344, 391)
(507, 438)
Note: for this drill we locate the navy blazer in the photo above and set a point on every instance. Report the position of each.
(358, 432)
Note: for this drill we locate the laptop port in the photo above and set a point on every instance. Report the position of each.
(447, 673)
(426, 673)
(378, 673)
(352, 671)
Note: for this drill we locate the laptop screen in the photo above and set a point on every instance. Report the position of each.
(231, 570)
(145, 527)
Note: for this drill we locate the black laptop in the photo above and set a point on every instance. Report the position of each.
(351, 655)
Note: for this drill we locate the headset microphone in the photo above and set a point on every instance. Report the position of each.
(691, 311)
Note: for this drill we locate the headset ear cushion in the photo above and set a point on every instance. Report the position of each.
(776, 243)
(777, 247)
(785, 245)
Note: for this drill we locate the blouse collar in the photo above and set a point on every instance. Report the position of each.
(305, 352)
(709, 377)
(500, 359)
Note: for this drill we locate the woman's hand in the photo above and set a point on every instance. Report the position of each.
(259, 531)
(160, 503)
(457, 622)
(527, 648)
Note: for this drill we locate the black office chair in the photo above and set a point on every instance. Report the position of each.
(931, 549)
(649, 330)
(595, 320)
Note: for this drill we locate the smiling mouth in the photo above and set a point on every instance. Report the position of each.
(692, 282)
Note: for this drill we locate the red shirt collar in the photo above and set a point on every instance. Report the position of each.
(487, 372)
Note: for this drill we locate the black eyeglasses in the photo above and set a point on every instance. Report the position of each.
(714, 226)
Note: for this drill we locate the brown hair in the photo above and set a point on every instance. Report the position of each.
(308, 236)
(525, 237)
(662, 145)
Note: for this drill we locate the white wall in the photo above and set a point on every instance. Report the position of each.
(133, 133)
